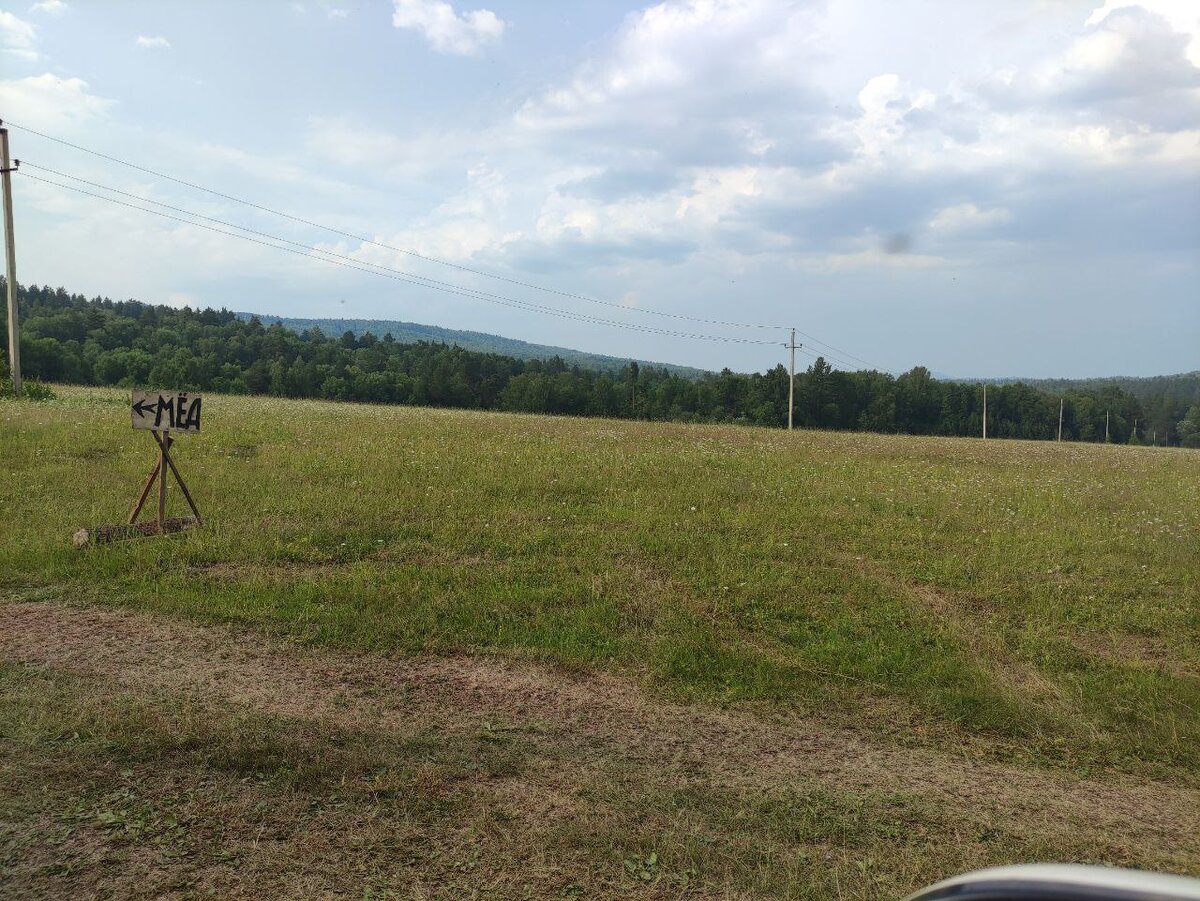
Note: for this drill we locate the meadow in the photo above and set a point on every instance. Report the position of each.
(1033, 606)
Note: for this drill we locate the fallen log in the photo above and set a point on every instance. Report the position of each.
(103, 534)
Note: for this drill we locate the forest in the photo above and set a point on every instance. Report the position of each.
(69, 338)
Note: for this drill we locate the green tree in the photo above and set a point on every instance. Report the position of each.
(1189, 427)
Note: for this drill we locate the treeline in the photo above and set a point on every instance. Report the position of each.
(482, 342)
(69, 338)
(1165, 400)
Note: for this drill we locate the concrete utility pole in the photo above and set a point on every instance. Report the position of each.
(985, 409)
(792, 379)
(1106, 426)
(10, 252)
(1060, 412)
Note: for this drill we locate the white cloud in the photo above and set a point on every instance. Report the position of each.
(448, 31)
(337, 13)
(887, 104)
(967, 217)
(17, 37)
(105, 236)
(1183, 16)
(50, 7)
(698, 128)
(1132, 42)
(157, 42)
(47, 101)
(678, 60)
(422, 156)
(465, 224)
(1128, 68)
(875, 258)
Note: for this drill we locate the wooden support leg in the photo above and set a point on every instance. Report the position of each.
(166, 455)
(145, 493)
(162, 478)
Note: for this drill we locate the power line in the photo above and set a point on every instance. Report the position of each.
(845, 355)
(412, 253)
(362, 265)
(420, 281)
(308, 249)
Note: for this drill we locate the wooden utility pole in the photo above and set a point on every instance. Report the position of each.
(10, 253)
(985, 409)
(1060, 412)
(791, 379)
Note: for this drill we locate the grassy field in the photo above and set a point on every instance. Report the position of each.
(1033, 606)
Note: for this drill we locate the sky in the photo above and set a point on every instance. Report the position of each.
(984, 188)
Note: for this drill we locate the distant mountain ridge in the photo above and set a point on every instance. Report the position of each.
(1181, 386)
(409, 332)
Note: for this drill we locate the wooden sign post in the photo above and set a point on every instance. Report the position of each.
(163, 415)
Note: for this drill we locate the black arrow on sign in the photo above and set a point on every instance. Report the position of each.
(141, 408)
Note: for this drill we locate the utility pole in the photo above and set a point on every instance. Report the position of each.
(1060, 412)
(1106, 426)
(10, 253)
(792, 379)
(985, 409)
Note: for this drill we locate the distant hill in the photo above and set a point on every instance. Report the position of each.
(1184, 387)
(409, 332)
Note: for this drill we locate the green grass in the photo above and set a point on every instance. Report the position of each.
(1024, 599)
(106, 792)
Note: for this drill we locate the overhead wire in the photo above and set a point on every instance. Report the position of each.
(397, 275)
(426, 257)
(845, 356)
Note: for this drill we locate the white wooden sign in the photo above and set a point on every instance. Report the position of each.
(171, 412)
